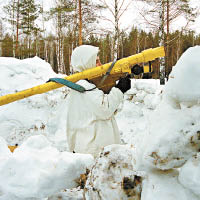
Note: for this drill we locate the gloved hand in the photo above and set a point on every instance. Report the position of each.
(124, 84)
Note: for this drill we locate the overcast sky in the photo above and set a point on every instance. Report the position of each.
(130, 17)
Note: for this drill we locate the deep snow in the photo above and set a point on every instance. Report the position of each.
(159, 124)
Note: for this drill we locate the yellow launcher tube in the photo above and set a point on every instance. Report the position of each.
(122, 65)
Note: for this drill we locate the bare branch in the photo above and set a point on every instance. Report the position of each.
(125, 9)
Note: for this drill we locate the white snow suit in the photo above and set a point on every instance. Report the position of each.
(90, 115)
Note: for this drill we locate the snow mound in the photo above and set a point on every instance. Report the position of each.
(190, 173)
(36, 114)
(164, 185)
(44, 169)
(23, 74)
(4, 150)
(183, 85)
(113, 176)
(132, 118)
(171, 142)
(161, 126)
(146, 92)
(174, 126)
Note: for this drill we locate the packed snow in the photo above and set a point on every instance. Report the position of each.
(160, 132)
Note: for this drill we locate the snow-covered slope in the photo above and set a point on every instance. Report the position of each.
(159, 126)
(39, 114)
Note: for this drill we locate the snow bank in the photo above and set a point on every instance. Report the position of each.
(183, 85)
(132, 118)
(22, 74)
(113, 176)
(164, 185)
(160, 125)
(173, 132)
(146, 92)
(37, 170)
(39, 114)
(189, 175)
(173, 137)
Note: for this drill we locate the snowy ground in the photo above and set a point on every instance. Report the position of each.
(159, 127)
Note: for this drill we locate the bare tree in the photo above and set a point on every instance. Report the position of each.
(17, 28)
(80, 22)
(86, 17)
(116, 8)
(12, 12)
(60, 14)
(162, 40)
(171, 10)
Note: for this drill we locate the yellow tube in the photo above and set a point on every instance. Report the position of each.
(121, 66)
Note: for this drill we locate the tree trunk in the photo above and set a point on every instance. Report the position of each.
(0, 48)
(167, 45)
(161, 36)
(116, 37)
(178, 46)
(13, 26)
(80, 23)
(17, 34)
(59, 42)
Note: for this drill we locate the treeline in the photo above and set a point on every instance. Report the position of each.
(76, 22)
(130, 43)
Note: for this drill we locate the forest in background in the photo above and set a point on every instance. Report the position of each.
(76, 23)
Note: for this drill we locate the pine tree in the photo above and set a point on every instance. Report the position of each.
(7, 46)
(29, 12)
(87, 17)
(60, 13)
(1, 36)
(1, 29)
(168, 10)
(12, 11)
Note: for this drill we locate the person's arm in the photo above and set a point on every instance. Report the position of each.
(104, 105)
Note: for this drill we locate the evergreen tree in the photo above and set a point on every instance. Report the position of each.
(134, 46)
(7, 46)
(29, 12)
(61, 15)
(162, 13)
(1, 36)
(12, 10)
(1, 30)
(105, 51)
(87, 19)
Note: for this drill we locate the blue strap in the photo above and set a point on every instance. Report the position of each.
(69, 84)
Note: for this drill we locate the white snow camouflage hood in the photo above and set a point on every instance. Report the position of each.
(84, 57)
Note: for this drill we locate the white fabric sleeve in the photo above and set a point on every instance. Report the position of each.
(106, 104)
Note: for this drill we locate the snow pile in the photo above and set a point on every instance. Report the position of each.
(34, 115)
(183, 86)
(113, 176)
(174, 130)
(23, 74)
(160, 125)
(190, 173)
(173, 137)
(133, 118)
(164, 185)
(145, 93)
(37, 170)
